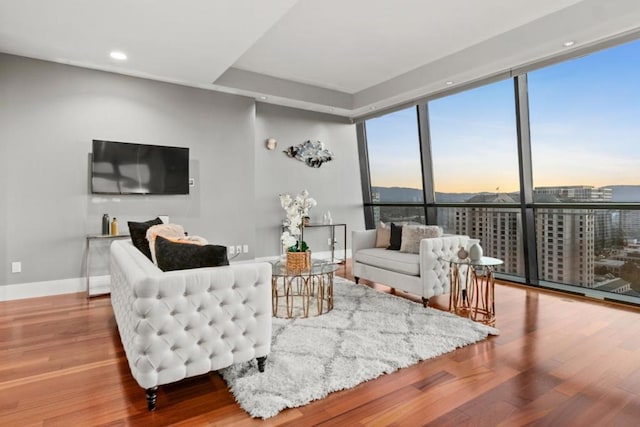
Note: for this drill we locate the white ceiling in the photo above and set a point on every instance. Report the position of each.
(344, 57)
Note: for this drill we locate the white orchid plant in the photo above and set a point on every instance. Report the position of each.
(297, 208)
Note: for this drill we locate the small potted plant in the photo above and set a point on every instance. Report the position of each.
(297, 208)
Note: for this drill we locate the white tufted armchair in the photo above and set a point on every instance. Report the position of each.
(423, 274)
(179, 324)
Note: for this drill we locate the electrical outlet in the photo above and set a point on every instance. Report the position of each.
(239, 249)
(231, 250)
(245, 249)
(16, 267)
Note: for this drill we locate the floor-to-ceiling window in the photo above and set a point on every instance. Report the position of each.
(583, 216)
(585, 144)
(475, 162)
(395, 168)
(471, 133)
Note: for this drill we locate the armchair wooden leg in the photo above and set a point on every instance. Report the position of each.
(357, 279)
(152, 395)
(261, 361)
(425, 302)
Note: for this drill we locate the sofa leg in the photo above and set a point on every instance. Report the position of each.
(261, 361)
(357, 279)
(425, 302)
(152, 395)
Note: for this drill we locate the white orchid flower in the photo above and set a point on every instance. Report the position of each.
(285, 200)
(288, 240)
(296, 208)
(294, 231)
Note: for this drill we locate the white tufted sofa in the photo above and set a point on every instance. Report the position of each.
(178, 324)
(420, 274)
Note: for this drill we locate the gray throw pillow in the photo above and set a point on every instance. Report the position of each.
(413, 234)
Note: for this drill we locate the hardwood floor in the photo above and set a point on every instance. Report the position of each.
(559, 360)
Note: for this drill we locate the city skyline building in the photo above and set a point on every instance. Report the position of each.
(577, 193)
(497, 228)
(571, 242)
(630, 224)
(566, 238)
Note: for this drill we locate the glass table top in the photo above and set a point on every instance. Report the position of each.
(485, 261)
(279, 268)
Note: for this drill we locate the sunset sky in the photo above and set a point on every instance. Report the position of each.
(585, 130)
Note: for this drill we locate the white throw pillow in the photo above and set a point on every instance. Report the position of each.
(383, 235)
(412, 234)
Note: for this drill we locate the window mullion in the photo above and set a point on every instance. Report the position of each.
(426, 158)
(526, 179)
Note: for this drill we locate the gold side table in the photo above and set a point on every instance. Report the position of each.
(302, 293)
(472, 288)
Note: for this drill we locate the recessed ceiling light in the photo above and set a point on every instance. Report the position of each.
(118, 55)
(263, 97)
(374, 107)
(449, 83)
(568, 43)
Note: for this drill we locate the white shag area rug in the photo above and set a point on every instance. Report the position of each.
(367, 334)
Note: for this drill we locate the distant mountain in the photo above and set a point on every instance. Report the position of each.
(620, 193)
(459, 197)
(396, 194)
(624, 193)
(412, 195)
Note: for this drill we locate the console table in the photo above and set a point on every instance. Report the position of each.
(97, 237)
(332, 229)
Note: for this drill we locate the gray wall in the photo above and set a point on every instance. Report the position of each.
(335, 185)
(4, 179)
(50, 113)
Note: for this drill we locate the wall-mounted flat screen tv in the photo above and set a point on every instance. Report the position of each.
(128, 168)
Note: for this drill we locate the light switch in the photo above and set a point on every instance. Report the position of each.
(16, 267)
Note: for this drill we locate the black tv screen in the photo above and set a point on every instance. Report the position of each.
(127, 168)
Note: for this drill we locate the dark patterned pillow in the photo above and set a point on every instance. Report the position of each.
(182, 256)
(396, 237)
(138, 231)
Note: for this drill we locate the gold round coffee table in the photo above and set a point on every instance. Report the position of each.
(302, 293)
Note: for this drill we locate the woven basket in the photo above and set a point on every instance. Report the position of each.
(298, 261)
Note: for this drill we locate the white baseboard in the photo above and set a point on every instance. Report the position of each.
(99, 285)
